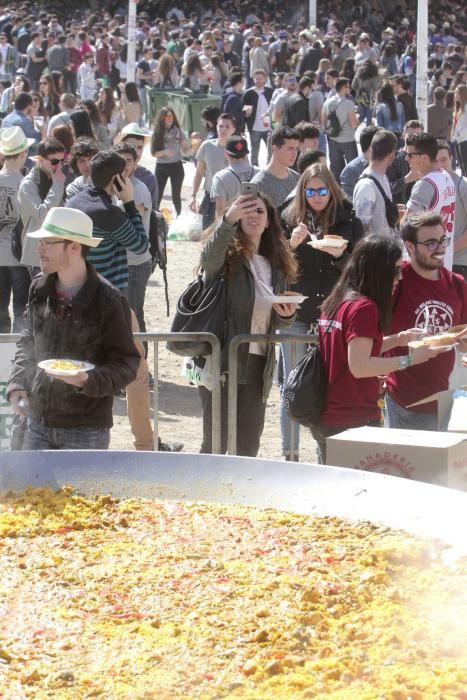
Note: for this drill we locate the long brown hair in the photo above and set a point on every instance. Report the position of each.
(273, 245)
(157, 139)
(370, 272)
(106, 104)
(299, 208)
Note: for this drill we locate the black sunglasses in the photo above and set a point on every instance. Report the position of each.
(55, 161)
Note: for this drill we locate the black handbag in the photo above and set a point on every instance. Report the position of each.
(304, 392)
(202, 307)
(16, 240)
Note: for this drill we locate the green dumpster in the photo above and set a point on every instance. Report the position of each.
(156, 99)
(186, 105)
(196, 105)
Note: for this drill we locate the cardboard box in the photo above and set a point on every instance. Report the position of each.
(445, 400)
(435, 457)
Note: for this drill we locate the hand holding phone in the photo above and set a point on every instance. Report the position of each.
(249, 188)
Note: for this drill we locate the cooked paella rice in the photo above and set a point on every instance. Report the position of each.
(163, 600)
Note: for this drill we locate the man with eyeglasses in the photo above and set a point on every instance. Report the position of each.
(435, 190)
(42, 188)
(433, 299)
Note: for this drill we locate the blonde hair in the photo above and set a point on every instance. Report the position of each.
(300, 207)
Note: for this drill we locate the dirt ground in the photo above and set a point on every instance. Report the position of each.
(179, 405)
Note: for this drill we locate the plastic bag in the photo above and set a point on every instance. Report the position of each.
(186, 227)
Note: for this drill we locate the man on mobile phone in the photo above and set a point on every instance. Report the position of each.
(120, 230)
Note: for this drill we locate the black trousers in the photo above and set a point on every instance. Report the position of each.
(176, 173)
(251, 410)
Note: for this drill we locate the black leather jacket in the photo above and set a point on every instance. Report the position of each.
(94, 327)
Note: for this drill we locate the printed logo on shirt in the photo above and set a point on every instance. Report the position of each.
(434, 316)
(330, 324)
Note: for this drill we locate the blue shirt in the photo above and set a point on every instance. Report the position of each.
(17, 118)
(351, 173)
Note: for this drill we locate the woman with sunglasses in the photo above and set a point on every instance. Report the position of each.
(353, 319)
(248, 247)
(318, 208)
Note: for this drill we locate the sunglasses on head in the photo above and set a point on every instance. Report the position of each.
(321, 191)
(55, 161)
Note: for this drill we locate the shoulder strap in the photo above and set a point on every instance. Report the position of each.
(378, 185)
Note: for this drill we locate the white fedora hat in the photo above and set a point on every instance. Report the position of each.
(69, 224)
(13, 141)
(133, 129)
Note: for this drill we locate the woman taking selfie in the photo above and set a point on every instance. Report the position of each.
(354, 317)
(249, 248)
(318, 208)
(168, 144)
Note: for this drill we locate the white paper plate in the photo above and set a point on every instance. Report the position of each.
(285, 299)
(328, 243)
(444, 348)
(83, 367)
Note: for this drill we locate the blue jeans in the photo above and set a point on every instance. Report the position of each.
(39, 437)
(365, 112)
(14, 279)
(255, 139)
(396, 416)
(286, 353)
(138, 276)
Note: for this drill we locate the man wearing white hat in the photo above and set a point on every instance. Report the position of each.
(73, 314)
(13, 277)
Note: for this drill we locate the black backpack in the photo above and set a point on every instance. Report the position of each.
(304, 392)
(392, 211)
(332, 125)
(158, 230)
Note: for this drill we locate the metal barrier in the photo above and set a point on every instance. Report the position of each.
(157, 338)
(233, 375)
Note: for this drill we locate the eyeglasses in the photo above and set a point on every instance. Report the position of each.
(432, 244)
(414, 153)
(55, 161)
(44, 242)
(321, 191)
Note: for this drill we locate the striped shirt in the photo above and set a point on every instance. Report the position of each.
(121, 231)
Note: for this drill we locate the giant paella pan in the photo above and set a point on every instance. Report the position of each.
(142, 575)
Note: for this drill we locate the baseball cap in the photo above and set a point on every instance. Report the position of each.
(237, 147)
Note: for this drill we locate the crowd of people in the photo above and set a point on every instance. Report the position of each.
(360, 206)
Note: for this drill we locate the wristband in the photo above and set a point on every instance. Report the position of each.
(405, 361)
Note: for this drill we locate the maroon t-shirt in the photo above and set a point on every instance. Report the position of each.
(435, 305)
(350, 402)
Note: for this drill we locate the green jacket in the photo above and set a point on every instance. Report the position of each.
(241, 299)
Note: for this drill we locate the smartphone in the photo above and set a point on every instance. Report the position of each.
(250, 188)
(117, 184)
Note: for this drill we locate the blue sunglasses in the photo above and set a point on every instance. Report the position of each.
(311, 191)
